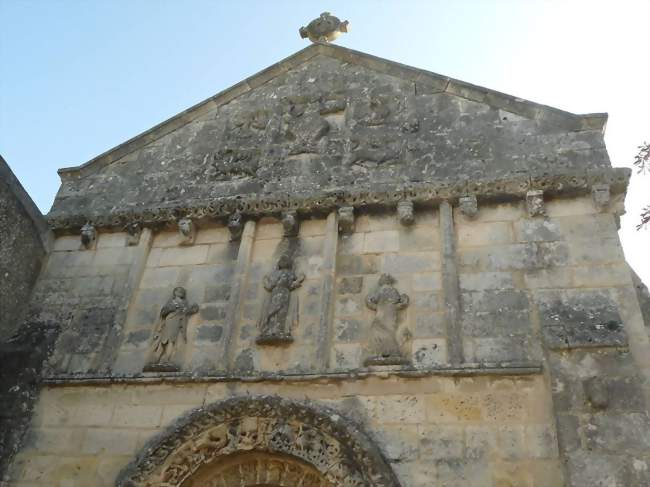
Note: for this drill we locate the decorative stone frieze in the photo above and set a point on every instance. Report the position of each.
(426, 193)
(535, 203)
(600, 195)
(170, 328)
(468, 206)
(88, 236)
(346, 220)
(187, 231)
(133, 233)
(405, 212)
(322, 438)
(290, 223)
(235, 225)
(280, 311)
(386, 338)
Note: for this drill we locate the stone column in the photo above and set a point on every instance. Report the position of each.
(108, 352)
(450, 285)
(324, 335)
(238, 288)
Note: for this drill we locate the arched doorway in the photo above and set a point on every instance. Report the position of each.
(262, 441)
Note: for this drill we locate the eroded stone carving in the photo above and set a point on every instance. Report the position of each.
(235, 225)
(280, 312)
(88, 236)
(335, 451)
(325, 28)
(346, 220)
(133, 232)
(468, 206)
(600, 195)
(535, 203)
(405, 212)
(170, 327)
(596, 391)
(386, 337)
(290, 223)
(187, 231)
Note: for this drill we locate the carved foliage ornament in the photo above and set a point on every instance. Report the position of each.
(318, 436)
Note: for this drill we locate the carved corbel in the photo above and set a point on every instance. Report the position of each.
(535, 203)
(600, 194)
(468, 206)
(235, 225)
(346, 220)
(405, 212)
(187, 231)
(290, 223)
(88, 236)
(133, 232)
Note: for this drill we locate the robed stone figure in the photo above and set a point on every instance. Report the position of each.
(170, 328)
(386, 337)
(280, 312)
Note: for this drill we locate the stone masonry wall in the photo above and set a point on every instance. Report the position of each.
(550, 294)
(480, 431)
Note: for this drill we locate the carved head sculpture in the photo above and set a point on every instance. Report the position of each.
(185, 226)
(88, 235)
(179, 292)
(405, 212)
(284, 262)
(386, 280)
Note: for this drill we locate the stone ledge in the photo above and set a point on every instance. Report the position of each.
(465, 370)
(564, 184)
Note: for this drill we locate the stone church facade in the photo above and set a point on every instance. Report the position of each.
(341, 271)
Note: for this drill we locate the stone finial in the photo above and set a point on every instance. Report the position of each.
(346, 220)
(535, 203)
(235, 225)
(290, 223)
(601, 196)
(187, 231)
(405, 212)
(468, 206)
(88, 236)
(133, 232)
(325, 28)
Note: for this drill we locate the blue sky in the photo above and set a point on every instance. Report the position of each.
(79, 77)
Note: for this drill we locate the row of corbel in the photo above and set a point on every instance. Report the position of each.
(468, 206)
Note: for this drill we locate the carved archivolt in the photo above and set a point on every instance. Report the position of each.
(290, 440)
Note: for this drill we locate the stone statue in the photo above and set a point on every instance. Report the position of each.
(386, 337)
(88, 236)
(280, 312)
(325, 28)
(171, 325)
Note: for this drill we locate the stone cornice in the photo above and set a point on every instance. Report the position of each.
(421, 193)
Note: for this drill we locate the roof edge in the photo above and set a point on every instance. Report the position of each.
(424, 81)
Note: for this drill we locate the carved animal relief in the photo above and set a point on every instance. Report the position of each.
(280, 312)
(386, 338)
(170, 329)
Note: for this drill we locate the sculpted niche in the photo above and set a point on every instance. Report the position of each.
(170, 328)
(280, 312)
(387, 337)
